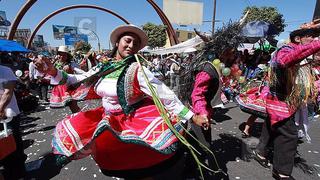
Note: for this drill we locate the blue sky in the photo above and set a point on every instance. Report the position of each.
(139, 12)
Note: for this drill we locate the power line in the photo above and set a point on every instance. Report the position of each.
(296, 21)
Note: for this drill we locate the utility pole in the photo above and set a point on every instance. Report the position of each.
(214, 15)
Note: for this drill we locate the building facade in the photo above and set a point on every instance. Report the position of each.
(182, 35)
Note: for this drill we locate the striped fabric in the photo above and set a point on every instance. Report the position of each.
(60, 96)
(111, 139)
(287, 57)
(253, 101)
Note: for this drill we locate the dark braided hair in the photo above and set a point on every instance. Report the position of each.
(225, 38)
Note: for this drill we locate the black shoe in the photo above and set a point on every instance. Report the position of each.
(245, 135)
(263, 162)
(276, 176)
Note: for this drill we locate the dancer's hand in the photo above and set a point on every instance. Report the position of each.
(202, 121)
(45, 66)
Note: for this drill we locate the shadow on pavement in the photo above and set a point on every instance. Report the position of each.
(26, 123)
(219, 114)
(27, 143)
(299, 162)
(169, 169)
(43, 169)
(183, 166)
(222, 118)
(227, 148)
(33, 131)
(302, 164)
(180, 167)
(28, 132)
(27, 120)
(255, 130)
(38, 108)
(47, 128)
(27, 126)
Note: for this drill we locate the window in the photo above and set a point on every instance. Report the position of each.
(189, 35)
(178, 34)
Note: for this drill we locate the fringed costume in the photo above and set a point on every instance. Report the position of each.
(291, 82)
(291, 85)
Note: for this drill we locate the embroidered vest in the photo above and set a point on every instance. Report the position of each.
(128, 89)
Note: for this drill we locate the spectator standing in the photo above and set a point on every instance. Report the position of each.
(174, 72)
(14, 163)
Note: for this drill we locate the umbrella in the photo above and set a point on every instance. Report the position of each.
(11, 46)
(258, 29)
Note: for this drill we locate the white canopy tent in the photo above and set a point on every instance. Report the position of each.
(249, 46)
(178, 48)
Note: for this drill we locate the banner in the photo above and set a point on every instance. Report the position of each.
(183, 12)
(3, 19)
(23, 33)
(60, 30)
(3, 15)
(38, 41)
(71, 39)
(3, 25)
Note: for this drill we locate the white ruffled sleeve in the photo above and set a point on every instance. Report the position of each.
(167, 96)
(63, 77)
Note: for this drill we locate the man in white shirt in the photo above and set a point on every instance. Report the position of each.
(39, 81)
(156, 63)
(14, 163)
(174, 73)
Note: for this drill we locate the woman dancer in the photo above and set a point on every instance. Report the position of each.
(127, 132)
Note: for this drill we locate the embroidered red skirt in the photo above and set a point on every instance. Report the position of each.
(117, 141)
(60, 96)
(253, 101)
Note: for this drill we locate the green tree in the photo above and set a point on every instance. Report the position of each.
(267, 14)
(82, 46)
(156, 34)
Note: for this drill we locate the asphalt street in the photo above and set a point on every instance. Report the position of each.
(232, 152)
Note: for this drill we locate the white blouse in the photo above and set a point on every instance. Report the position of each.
(107, 89)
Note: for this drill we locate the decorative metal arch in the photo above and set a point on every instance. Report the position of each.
(18, 18)
(44, 20)
(172, 36)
